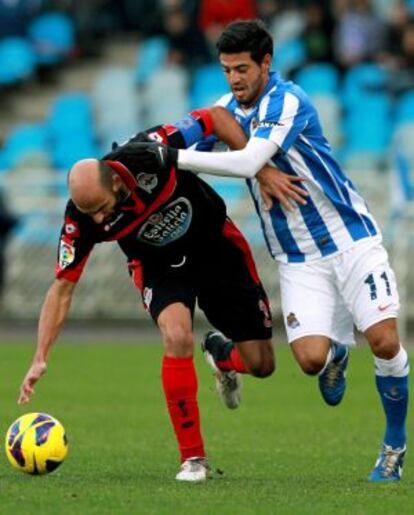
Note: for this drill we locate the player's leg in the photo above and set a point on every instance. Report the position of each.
(371, 290)
(235, 302)
(318, 325)
(171, 303)
(179, 381)
(391, 375)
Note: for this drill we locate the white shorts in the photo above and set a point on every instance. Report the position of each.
(329, 296)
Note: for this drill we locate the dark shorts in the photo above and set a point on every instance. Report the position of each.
(223, 280)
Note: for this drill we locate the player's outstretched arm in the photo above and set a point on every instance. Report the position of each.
(53, 313)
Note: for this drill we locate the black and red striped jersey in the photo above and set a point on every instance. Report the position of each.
(165, 216)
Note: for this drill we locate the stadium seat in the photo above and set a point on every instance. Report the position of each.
(165, 96)
(208, 85)
(71, 129)
(151, 56)
(17, 60)
(66, 151)
(53, 37)
(362, 81)
(27, 145)
(117, 110)
(71, 112)
(404, 111)
(289, 55)
(318, 79)
(368, 126)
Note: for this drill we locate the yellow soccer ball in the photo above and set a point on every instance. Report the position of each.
(36, 443)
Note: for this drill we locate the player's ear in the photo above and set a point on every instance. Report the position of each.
(267, 62)
(116, 182)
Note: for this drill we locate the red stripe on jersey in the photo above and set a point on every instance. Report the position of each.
(124, 173)
(71, 274)
(206, 118)
(135, 267)
(162, 197)
(230, 231)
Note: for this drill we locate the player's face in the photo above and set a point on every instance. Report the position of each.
(103, 207)
(104, 210)
(247, 79)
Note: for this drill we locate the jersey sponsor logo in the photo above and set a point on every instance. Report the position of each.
(269, 125)
(168, 224)
(147, 181)
(292, 321)
(66, 253)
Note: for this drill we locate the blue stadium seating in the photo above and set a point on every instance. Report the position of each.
(71, 129)
(368, 126)
(53, 37)
(289, 55)
(17, 60)
(71, 112)
(362, 81)
(66, 151)
(27, 142)
(209, 84)
(404, 111)
(319, 79)
(152, 54)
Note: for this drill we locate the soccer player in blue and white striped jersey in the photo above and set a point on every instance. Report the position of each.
(334, 271)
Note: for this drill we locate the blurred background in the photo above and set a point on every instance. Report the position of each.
(77, 75)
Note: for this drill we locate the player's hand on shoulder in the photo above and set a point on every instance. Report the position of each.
(156, 156)
(145, 155)
(35, 372)
(118, 149)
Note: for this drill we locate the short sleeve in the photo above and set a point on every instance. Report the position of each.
(75, 245)
(282, 118)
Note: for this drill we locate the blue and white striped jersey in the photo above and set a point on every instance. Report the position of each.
(335, 215)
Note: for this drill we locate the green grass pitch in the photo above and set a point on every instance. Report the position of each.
(283, 451)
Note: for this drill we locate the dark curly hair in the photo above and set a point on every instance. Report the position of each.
(246, 36)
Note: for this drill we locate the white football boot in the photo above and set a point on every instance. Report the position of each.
(228, 383)
(193, 470)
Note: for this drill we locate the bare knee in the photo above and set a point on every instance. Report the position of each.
(311, 353)
(262, 368)
(311, 365)
(258, 357)
(176, 331)
(383, 339)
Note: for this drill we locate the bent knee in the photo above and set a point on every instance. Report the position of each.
(262, 369)
(386, 346)
(311, 365)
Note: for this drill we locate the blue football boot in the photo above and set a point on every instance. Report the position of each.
(332, 381)
(388, 466)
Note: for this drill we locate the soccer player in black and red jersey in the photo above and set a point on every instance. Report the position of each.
(181, 248)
